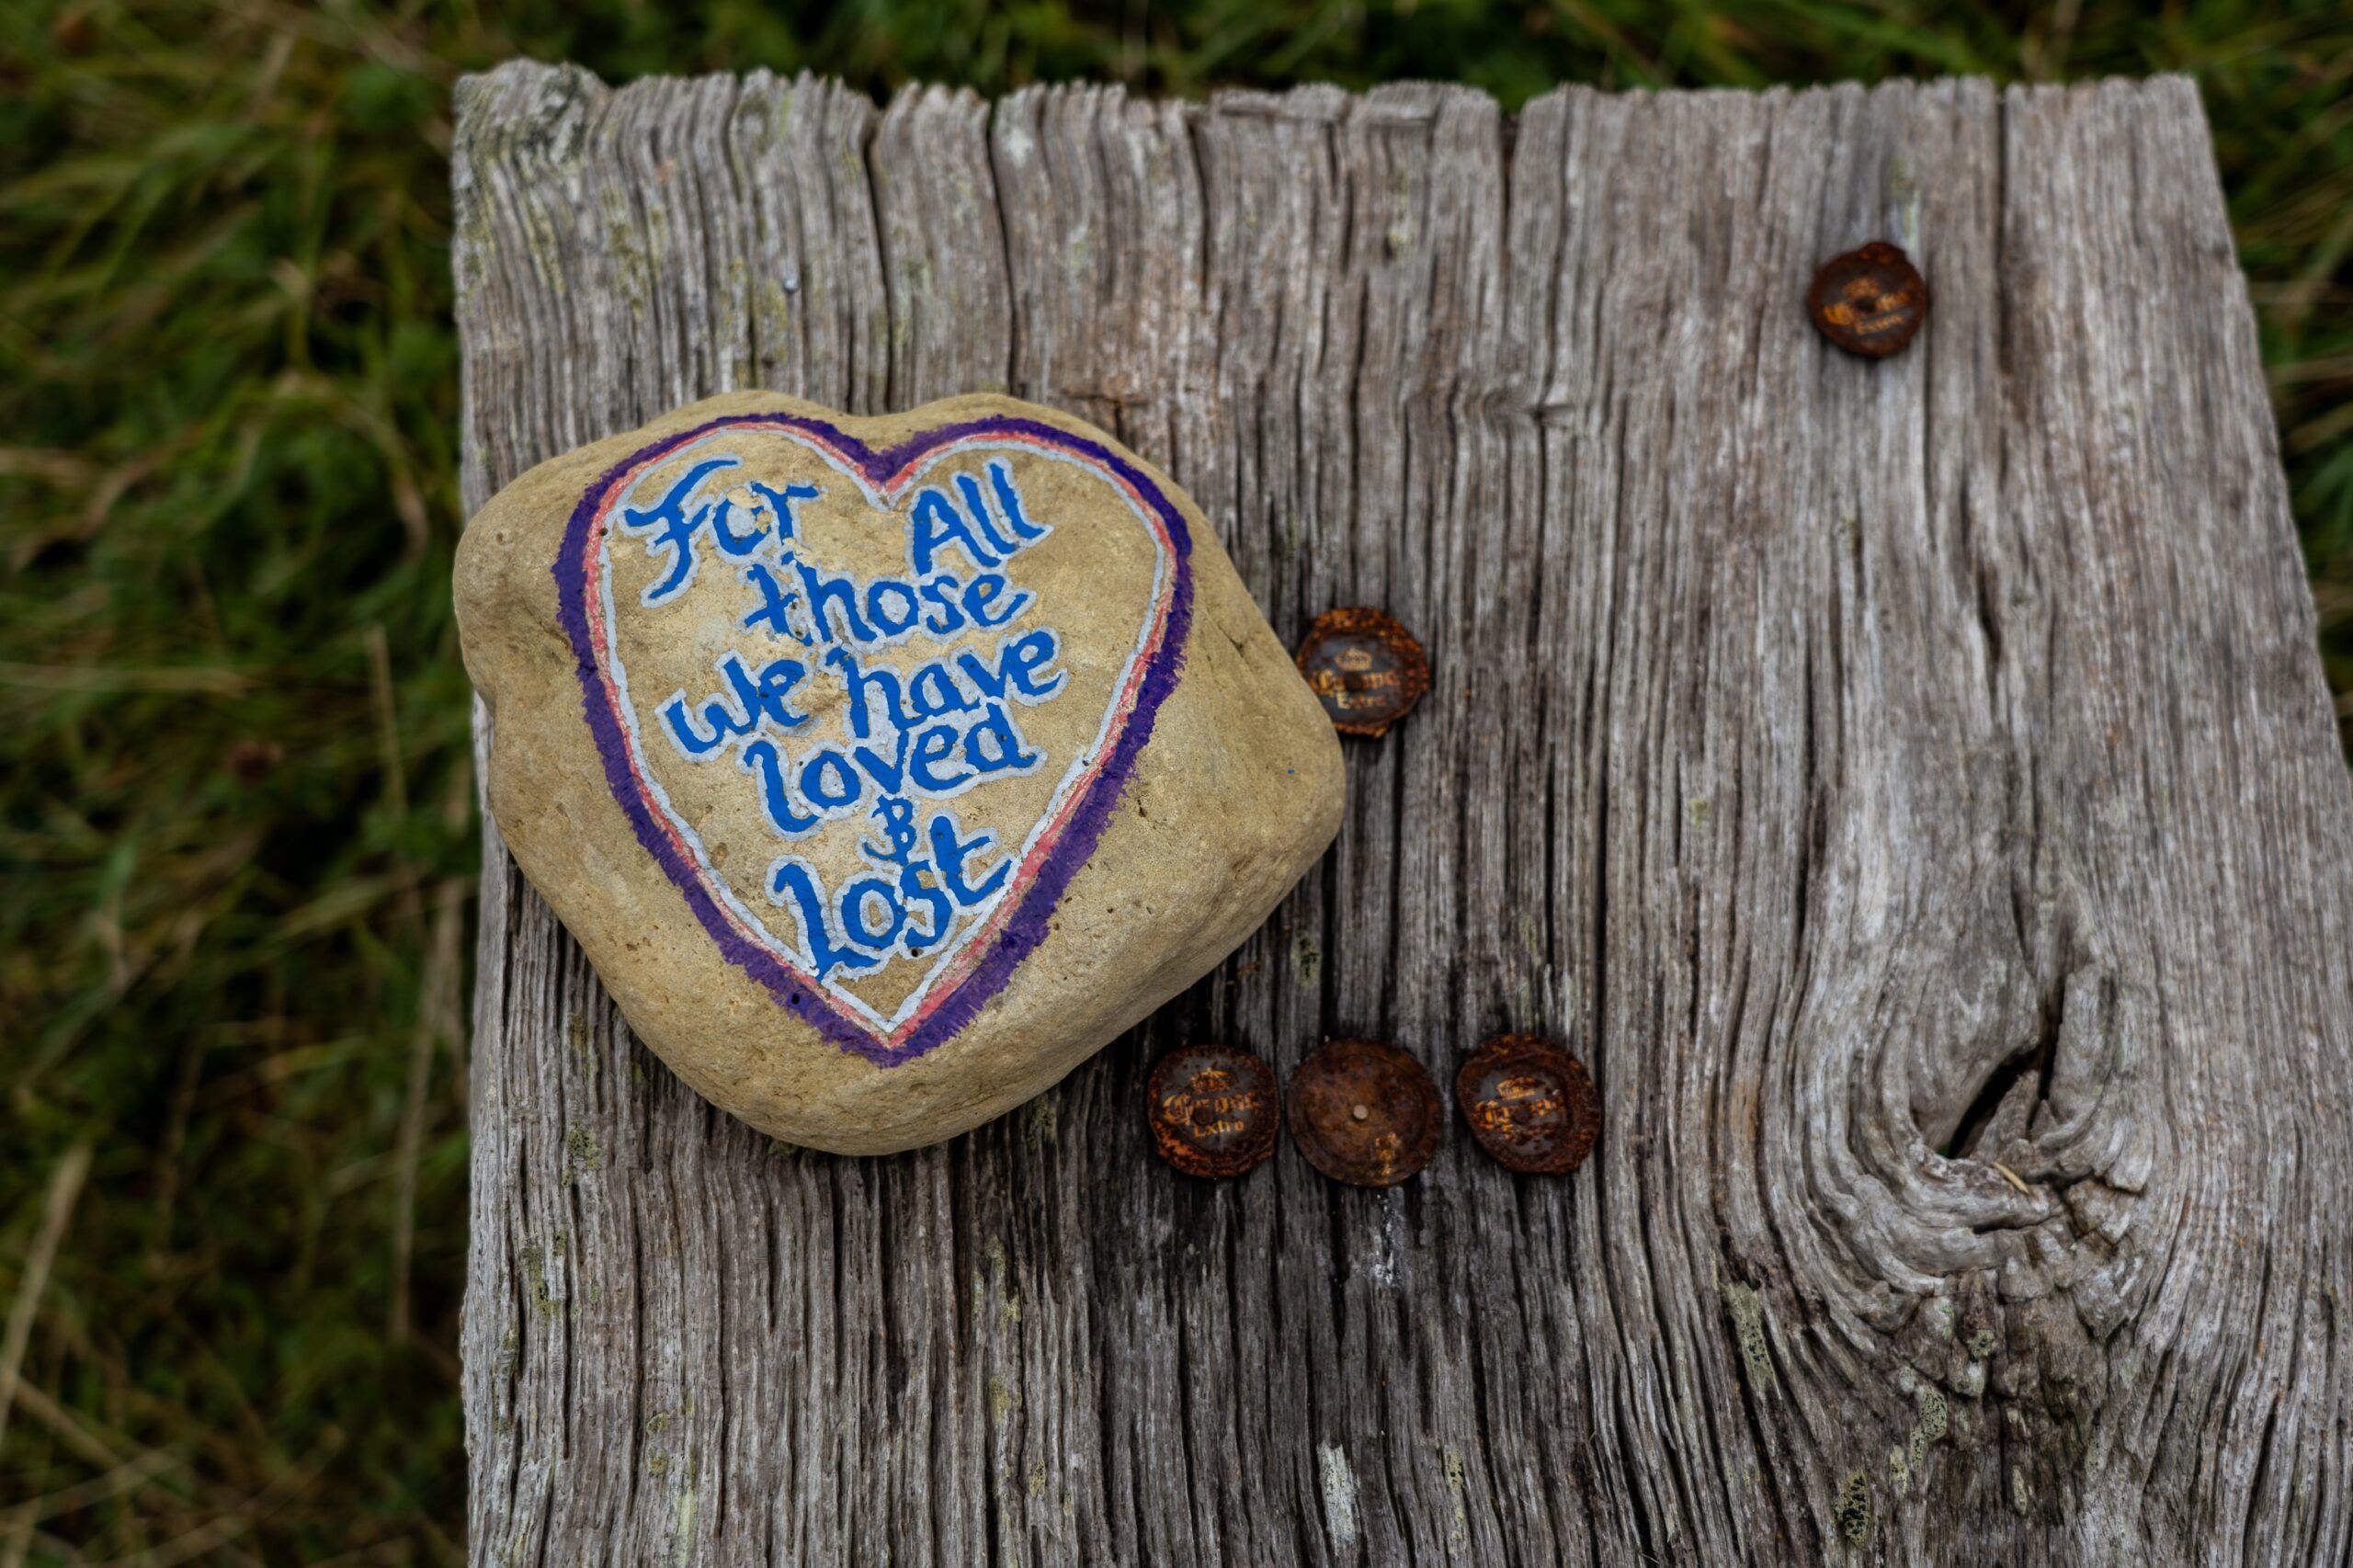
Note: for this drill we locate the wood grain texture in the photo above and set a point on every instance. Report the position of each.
(1909, 786)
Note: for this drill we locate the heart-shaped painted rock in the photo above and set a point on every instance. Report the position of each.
(884, 768)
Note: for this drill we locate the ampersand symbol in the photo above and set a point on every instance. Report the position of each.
(897, 816)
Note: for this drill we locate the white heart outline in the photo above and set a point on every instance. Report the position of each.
(981, 938)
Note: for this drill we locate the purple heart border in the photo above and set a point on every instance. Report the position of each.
(1039, 881)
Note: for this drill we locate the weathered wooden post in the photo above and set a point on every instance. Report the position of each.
(1910, 785)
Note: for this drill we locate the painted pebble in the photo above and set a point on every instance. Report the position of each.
(884, 768)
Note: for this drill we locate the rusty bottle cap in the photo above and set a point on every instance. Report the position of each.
(1868, 301)
(1367, 669)
(1365, 1113)
(1212, 1109)
(1529, 1103)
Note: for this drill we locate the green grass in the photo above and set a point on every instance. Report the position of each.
(236, 832)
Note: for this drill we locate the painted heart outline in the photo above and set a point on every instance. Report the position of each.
(989, 951)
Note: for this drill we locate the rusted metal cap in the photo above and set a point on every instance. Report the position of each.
(1529, 1103)
(1367, 669)
(1365, 1113)
(1212, 1109)
(1868, 301)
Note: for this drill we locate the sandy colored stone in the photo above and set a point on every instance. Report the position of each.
(1131, 771)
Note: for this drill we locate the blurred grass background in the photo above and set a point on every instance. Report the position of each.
(235, 830)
